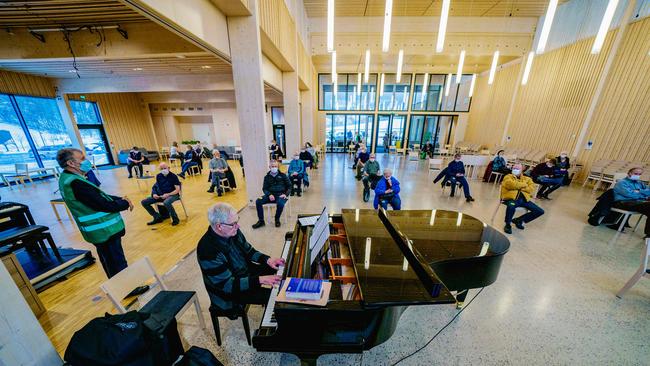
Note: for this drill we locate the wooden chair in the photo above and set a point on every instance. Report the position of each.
(137, 274)
(180, 195)
(497, 177)
(269, 209)
(194, 171)
(501, 202)
(643, 271)
(59, 201)
(435, 165)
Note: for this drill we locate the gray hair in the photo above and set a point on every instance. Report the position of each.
(219, 213)
(65, 155)
(388, 170)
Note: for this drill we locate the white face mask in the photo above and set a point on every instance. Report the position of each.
(516, 171)
(635, 177)
(295, 157)
(274, 170)
(165, 171)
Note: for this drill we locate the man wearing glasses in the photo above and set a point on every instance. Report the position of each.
(233, 271)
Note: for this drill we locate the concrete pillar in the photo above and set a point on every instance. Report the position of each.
(68, 119)
(307, 112)
(246, 52)
(291, 99)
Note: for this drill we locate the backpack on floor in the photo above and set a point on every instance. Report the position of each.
(197, 356)
(111, 340)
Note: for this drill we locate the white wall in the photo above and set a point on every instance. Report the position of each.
(226, 127)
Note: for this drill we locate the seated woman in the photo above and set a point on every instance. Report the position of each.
(563, 166)
(306, 158)
(387, 192)
(296, 174)
(174, 153)
(310, 149)
(190, 161)
(499, 164)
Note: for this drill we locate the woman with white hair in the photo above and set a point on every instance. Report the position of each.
(233, 271)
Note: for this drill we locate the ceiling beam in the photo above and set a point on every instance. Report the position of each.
(165, 83)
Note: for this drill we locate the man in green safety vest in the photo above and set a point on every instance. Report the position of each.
(96, 213)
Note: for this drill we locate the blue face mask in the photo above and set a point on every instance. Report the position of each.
(85, 166)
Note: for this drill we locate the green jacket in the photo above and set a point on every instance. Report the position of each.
(371, 167)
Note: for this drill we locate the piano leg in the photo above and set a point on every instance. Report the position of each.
(460, 298)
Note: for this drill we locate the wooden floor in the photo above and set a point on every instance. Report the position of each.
(72, 303)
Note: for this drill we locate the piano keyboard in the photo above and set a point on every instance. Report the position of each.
(268, 320)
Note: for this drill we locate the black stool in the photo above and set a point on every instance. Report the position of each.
(216, 313)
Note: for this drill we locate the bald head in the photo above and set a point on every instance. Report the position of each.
(162, 166)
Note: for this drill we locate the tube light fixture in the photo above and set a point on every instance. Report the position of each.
(400, 60)
(333, 65)
(359, 84)
(425, 89)
(330, 25)
(381, 85)
(366, 71)
(447, 84)
(604, 26)
(461, 61)
(546, 27)
(387, 19)
(471, 85)
(529, 65)
(444, 15)
(493, 68)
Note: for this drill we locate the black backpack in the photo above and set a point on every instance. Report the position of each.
(197, 356)
(111, 340)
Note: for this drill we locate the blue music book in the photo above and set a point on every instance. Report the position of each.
(304, 289)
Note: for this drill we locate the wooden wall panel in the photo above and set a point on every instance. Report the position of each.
(550, 109)
(125, 119)
(304, 65)
(23, 84)
(280, 29)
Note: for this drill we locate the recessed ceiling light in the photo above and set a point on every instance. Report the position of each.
(180, 56)
(137, 69)
(206, 67)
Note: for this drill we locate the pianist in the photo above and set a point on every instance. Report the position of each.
(233, 271)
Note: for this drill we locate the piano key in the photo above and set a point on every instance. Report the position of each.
(268, 320)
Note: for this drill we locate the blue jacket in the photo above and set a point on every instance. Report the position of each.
(624, 190)
(455, 167)
(382, 187)
(498, 163)
(296, 166)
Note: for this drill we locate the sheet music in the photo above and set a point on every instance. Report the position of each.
(309, 220)
(319, 235)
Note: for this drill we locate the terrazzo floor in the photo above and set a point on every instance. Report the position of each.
(553, 303)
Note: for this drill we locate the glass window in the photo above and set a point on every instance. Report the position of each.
(45, 126)
(347, 96)
(449, 99)
(415, 130)
(277, 115)
(14, 146)
(396, 95)
(85, 113)
(463, 99)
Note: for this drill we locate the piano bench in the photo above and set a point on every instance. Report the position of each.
(216, 313)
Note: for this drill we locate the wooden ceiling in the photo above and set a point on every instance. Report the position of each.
(475, 8)
(35, 13)
(171, 65)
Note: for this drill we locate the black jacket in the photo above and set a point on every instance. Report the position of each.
(280, 184)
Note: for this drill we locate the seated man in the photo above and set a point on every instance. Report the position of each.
(371, 174)
(218, 168)
(456, 173)
(276, 188)
(233, 271)
(563, 164)
(296, 174)
(516, 190)
(189, 161)
(387, 192)
(306, 157)
(363, 157)
(544, 175)
(135, 159)
(167, 190)
(631, 194)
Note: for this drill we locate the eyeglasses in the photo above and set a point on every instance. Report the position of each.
(233, 224)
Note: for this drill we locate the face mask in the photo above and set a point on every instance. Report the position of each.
(372, 159)
(274, 170)
(516, 171)
(165, 171)
(295, 157)
(85, 166)
(635, 177)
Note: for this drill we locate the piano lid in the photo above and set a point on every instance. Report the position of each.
(385, 275)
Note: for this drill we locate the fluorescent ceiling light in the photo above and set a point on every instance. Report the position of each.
(604, 26)
(359, 84)
(381, 85)
(471, 85)
(333, 65)
(387, 18)
(330, 25)
(366, 71)
(444, 15)
(137, 69)
(546, 27)
(206, 67)
(461, 61)
(529, 65)
(447, 84)
(400, 60)
(493, 68)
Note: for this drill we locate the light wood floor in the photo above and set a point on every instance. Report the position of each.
(72, 303)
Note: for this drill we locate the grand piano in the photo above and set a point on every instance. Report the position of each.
(379, 263)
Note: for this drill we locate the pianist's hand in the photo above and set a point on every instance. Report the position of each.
(271, 280)
(275, 262)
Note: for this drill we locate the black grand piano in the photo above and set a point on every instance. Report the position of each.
(379, 263)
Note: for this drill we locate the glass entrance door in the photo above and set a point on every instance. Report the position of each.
(390, 131)
(278, 136)
(94, 142)
(345, 129)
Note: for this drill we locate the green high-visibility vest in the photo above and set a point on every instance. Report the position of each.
(96, 227)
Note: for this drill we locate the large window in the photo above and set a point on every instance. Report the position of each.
(396, 95)
(344, 129)
(347, 96)
(92, 132)
(14, 145)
